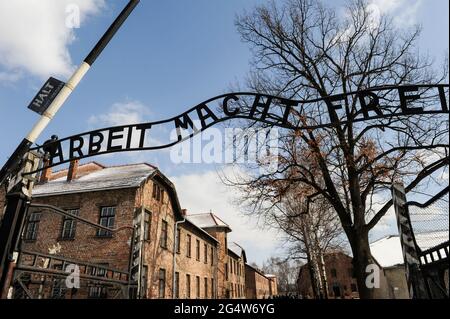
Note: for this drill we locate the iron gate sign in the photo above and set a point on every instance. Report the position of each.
(370, 104)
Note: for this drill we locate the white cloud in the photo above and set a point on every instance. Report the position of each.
(121, 113)
(10, 77)
(403, 11)
(201, 193)
(34, 36)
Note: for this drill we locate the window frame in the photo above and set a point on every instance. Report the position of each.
(33, 221)
(73, 224)
(189, 245)
(197, 287)
(188, 286)
(108, 217)
(177, 285)
(197, 250)
(178, 241)
(162, 277)
(163, 240)
(147, 225)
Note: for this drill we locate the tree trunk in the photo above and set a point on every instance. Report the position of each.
(323, 272)
(361, 259)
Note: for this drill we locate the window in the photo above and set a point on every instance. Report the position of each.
(212, 288)
(178, 241)
(163, 238)
(144, 281)
(226, 271)
(351, 272)
(147, 225)
(206, 287)
(155, 191)
(158, 193)
(206, 253)
(212, 256)
(69, 225)
(198, 287)
(59, 287)
(32, 226)
(162, 283)
(197, 249)
(98, 291)
(188, 286)
(333, 273)
(107, 217)
(188, 245)
(177, 285)
(354, 288)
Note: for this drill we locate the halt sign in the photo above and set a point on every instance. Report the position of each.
(46, 95)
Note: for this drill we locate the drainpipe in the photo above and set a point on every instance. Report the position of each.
(216, 271)
(175, 240)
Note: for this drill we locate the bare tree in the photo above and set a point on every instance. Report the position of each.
(303, 50)
(286, 272)
(313, 229)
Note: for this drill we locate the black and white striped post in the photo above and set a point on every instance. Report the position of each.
(15, 211)
(47, 115)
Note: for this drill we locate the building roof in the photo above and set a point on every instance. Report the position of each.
(115, 177)
(202, 231)
(237, 250)
(387, 251)
(256, 270)
(208, 220)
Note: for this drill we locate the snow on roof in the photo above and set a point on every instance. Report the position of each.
(207, 220)
(115, 177)
(388, 250)
(235, 248)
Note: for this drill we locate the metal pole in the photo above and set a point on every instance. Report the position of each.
(13, 219)
(14, 161)
(414, 278)
(9, 234)
(176, 241)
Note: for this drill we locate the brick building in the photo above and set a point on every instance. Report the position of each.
(339, 275)
(140, 206)
(258, 285)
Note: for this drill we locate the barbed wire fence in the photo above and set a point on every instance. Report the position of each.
(426, 236)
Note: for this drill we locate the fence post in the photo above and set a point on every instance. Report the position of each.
(416, 283)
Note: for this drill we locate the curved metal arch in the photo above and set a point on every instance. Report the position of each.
(265, 117)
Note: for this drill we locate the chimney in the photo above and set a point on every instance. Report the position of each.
(184, 212)
(73, 169)
(46, 173)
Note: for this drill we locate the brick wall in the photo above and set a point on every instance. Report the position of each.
(222, 259)
(257, 285)
(339, 274)
(87, 246)
(221, 273)
(236, 276)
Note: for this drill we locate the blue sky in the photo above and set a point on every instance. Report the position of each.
(169, 56)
